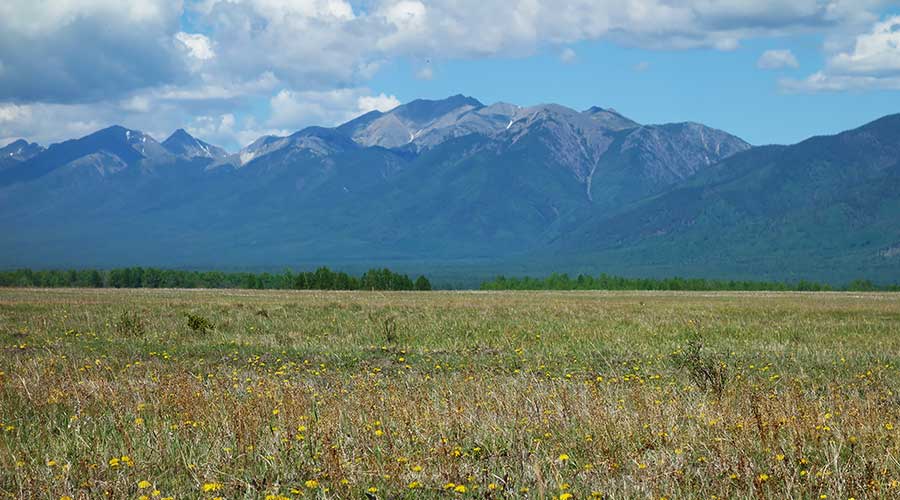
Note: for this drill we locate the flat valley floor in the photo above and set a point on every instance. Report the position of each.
(556, 395)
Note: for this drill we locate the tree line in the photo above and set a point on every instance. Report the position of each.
(607, 282)
(322, 278)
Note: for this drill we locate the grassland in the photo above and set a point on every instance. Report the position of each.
(111, 394)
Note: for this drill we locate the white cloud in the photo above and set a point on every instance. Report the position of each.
(641, 66)
(823, 82)
(11, 113)
(873, 63)
(426, 73)
(78, 51)
(777, 59)
(568, 56)
(198, 46)
(876, 52)
(379, 102)
(137, 103)
(149, 73)
(296, 109)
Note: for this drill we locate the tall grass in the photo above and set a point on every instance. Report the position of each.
(409, 395)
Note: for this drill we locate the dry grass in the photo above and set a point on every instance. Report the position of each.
(110, 394)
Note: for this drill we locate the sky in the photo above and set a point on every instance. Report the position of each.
(229, 71)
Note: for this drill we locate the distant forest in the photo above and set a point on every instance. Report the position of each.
(324, 278)
(607, 282)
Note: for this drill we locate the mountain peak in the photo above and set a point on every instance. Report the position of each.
(408, 123)
(181, 143)
(610, 118)
(18, 151)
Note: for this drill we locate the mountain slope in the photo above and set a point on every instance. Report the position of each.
(180, 143)
(17, 152)
(529, 189)
(828, 206)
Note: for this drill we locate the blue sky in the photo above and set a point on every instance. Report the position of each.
(773, 71)
(721, 89)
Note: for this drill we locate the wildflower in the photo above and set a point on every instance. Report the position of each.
(372, 489)
(889, 426)
(415, 484)
(65, 497)
(461, 488)
(492, 486)
(144, 485)
(139, 421)
(311, 484)
(207, 487)
(565, 496)
(563, 457)
(763, 477)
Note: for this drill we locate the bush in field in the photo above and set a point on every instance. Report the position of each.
(387, 326)
(130, 324)
(199, 324)
(706, 370)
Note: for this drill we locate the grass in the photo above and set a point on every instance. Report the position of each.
(277, 394)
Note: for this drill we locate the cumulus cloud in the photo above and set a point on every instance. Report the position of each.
(198, 46)
(296, 109)
(64, 51)
(568, 56)
(873, 62)
(70, 65)
(876, 52)
(426, 73)
(777, 59)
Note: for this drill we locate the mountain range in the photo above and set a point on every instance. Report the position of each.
(461, 190)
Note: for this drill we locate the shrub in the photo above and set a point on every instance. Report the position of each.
(130, 324)
(198, 323)
(706, 370)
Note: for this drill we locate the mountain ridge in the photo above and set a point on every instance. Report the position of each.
(455, 182)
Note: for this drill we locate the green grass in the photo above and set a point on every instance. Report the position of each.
(507, 394)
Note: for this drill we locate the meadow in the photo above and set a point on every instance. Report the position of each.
(162, 394)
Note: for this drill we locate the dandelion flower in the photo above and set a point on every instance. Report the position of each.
(212, 487)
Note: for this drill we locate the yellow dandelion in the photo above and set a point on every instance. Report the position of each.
(144, 484)
(207, 487)
(311, 484)
(461, 488)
